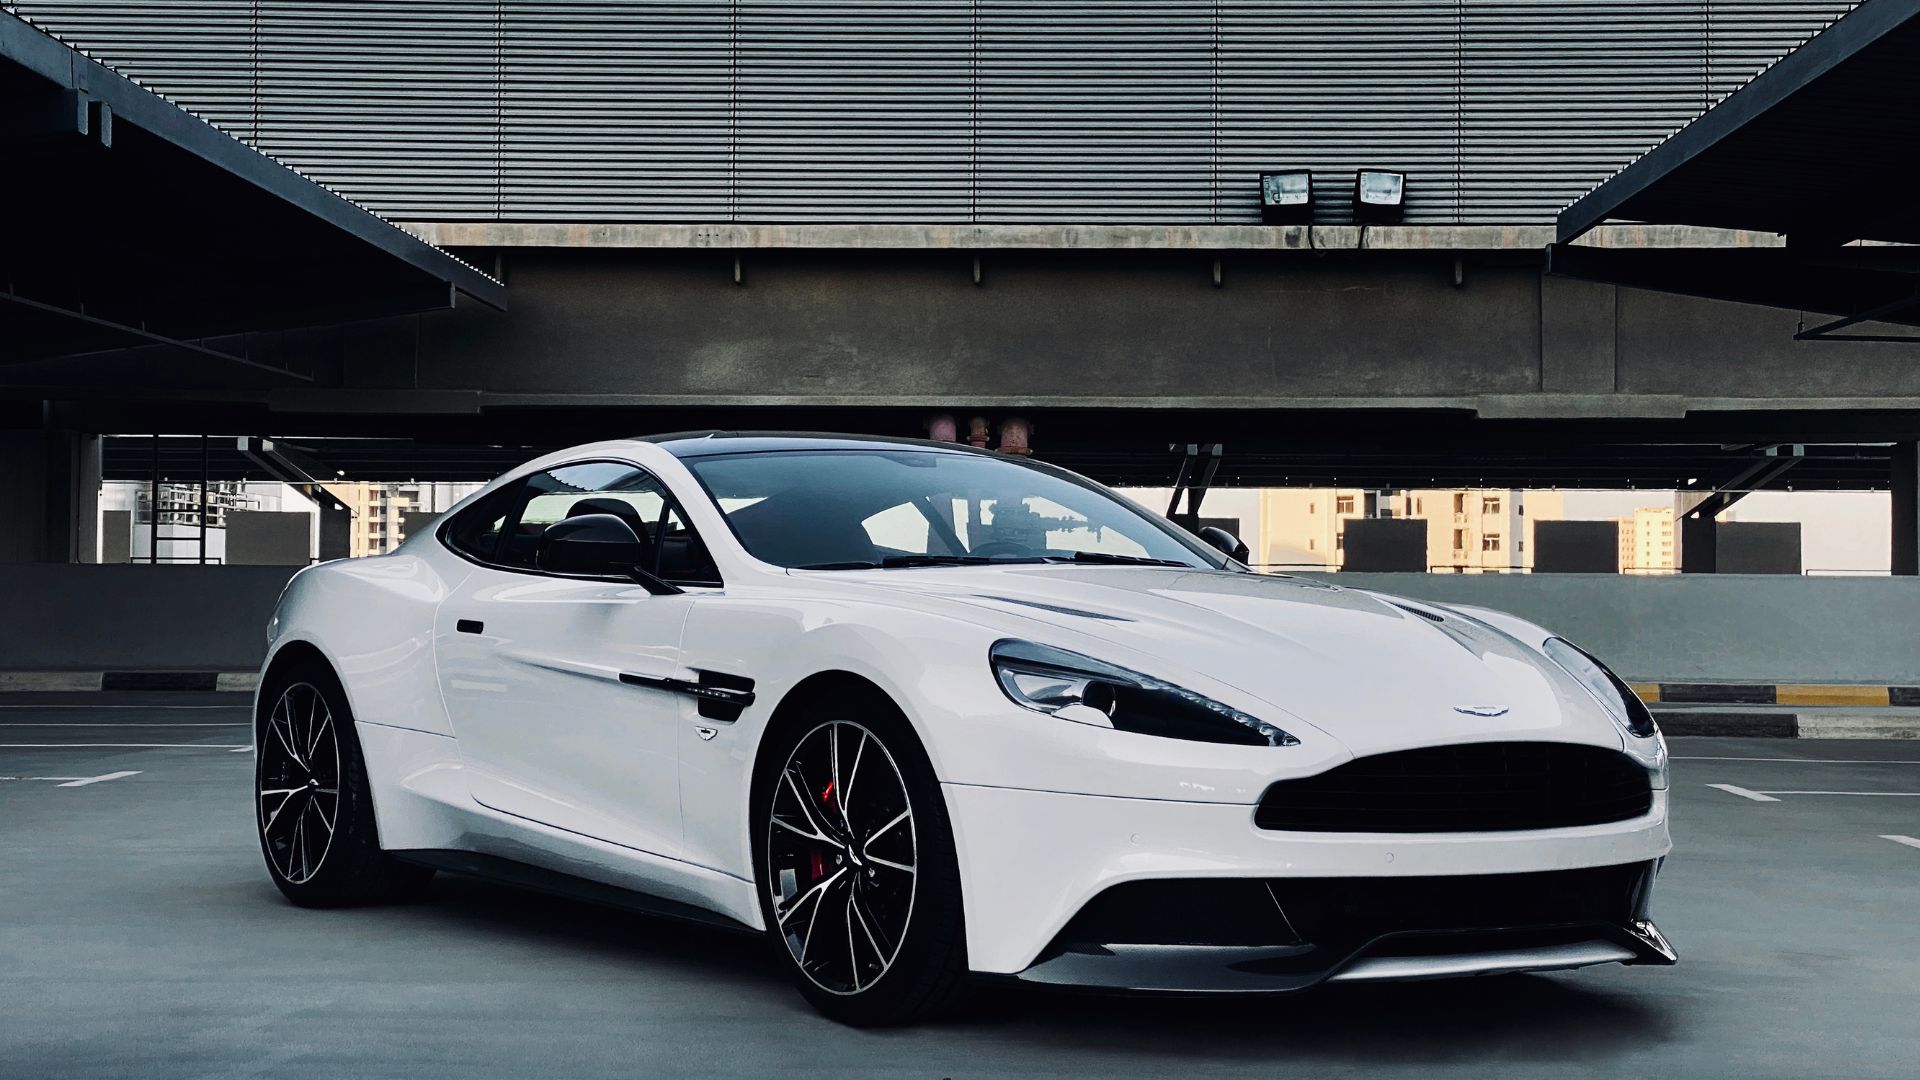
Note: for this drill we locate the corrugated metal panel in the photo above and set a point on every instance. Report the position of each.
(1339, 86)
(618, 111)
(199, 53)
(1557, 94)
(395, 102)
(952, 110)
(1748, 36)
(1096, 110)
(854, 110)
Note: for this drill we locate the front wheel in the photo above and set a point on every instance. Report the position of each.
(313, 806)
(859, 885)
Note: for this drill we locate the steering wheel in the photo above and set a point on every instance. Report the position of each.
(1000, 547)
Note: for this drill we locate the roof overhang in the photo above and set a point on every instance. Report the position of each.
(1821, 147)
(134, 223)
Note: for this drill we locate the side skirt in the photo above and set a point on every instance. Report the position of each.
(553, 883)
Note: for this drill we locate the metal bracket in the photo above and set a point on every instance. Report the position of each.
(1773, 464)
(1196, 474)
(1825, 331)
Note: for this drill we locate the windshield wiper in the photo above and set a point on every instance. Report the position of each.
(1108, 557)
(892, 562)
(899, 562)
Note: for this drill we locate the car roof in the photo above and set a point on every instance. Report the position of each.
(690, 444)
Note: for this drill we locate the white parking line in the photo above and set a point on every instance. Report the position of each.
(1890, 794)
(31, 723)
(1806, 761)
(11, 705)
(115, 745)
(1898, 839)
(79, 781)
(1744, 793)
(241, 749)
(102, 778)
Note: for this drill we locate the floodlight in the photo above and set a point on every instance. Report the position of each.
(1286, 198)
(1379, 196)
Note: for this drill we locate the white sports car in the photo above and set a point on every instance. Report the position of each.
(920, 712)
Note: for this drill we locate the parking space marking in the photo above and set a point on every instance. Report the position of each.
(150, 707)
(50, 723)
(1744, 793)
(1804, 760)
(102, 778)
(1898, 839)
(1889, 794)
(241, 749)
(80, 781)
(115, 745)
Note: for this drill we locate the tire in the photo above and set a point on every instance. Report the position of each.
(308, 764)
(836, 865)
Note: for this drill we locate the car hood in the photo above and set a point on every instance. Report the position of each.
(1374, 672)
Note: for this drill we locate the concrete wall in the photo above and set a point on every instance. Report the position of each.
(1704, 627)
(1685, 627)
(1389, 544)
(1576, 547)
(1757, 547)
(136, 618)
(268, 538)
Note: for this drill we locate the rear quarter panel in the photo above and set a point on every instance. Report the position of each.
(373, 620)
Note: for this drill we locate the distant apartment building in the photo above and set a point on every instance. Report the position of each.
(385, 514)
(1469, 530)
(378, 515)
(1647, 541)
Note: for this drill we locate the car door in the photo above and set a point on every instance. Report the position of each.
(551, 682)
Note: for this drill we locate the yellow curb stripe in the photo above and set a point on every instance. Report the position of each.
(1649, 691)
(1814, 694)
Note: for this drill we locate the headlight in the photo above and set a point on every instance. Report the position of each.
(1615, 696)
(1089, 691)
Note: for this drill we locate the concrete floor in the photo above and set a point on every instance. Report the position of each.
(140, 937)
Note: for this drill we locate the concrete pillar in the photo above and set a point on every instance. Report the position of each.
(49, 496)
(336, 530)
(1906, 508)
(1699, 545)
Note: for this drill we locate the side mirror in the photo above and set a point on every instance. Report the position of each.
(599, 544)
(1226, 542)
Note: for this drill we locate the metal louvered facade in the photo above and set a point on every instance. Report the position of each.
(996, 111)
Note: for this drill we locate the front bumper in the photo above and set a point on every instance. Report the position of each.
(1031, 861)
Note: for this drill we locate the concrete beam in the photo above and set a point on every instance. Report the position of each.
(1064, 237)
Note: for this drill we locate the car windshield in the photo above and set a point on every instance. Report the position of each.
(859, 509)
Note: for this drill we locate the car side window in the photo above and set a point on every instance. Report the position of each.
(593, 487)
(632, 494)
(683, 557)
(476, 530)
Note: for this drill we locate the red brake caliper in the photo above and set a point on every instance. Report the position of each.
(817, 862)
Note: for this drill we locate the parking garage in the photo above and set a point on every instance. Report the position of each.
(184, 312)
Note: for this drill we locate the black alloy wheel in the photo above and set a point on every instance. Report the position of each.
(299, 803)
(841, 857)
(313, 806)
(860, 887)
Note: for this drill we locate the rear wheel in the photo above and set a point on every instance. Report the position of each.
(859, 885)
(312, 804)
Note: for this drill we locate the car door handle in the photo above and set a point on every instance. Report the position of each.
(721, 696)
(470, 626)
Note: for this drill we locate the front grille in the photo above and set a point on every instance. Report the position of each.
(1329, 918)
(1477, 787)
(1330, 911)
